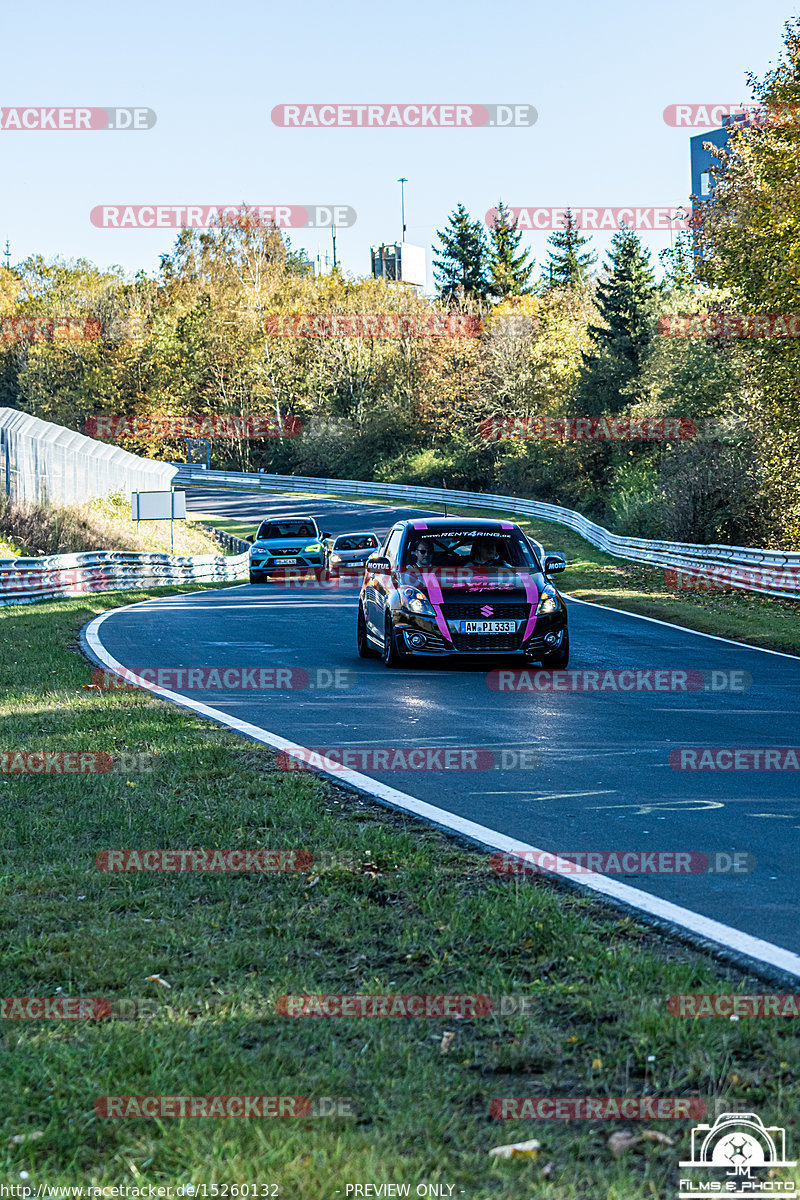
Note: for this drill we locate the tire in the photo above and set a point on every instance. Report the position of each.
(393, 655)
(559, 659)
(364, 648)
(255, 578)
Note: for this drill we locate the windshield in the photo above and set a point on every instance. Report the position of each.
(473, 548)
(285, 529)
(356, 541)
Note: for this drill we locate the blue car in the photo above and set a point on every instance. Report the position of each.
(282, 545)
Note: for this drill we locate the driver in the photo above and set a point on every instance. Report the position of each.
(421, 557)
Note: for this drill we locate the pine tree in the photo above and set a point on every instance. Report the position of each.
(678, 262)
(625, 293)
(461, 265)
(568, 266)
(509, 272)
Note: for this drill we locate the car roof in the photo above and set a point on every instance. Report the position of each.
(358, 533)
(287, 517)
(456, 524)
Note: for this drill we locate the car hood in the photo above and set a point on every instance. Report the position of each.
(284, 543)
(463, 584)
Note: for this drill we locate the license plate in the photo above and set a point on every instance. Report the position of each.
(284, 562)
(488, 627)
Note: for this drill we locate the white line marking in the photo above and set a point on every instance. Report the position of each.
(664, 910)
(684, 628)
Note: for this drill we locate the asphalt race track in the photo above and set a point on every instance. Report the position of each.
(604, 782)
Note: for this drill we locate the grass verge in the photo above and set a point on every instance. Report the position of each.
(397, 908)
(591, 575)
(103, 523)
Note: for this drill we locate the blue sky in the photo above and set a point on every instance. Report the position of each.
(599, 74)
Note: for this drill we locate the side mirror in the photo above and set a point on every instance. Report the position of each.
(327, 535)
(554, 563)
(378, 566)
(250, 538)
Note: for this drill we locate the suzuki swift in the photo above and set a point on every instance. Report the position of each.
(453, 586)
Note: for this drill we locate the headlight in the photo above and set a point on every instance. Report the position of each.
(336, 558)
(313, 546)
(416, 601)
(548, 602)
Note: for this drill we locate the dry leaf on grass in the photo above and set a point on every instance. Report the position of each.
(517, 1150)
(157, 979)
(447, 1041)
(618, 1143)
(654, 1135)
(20, 1138)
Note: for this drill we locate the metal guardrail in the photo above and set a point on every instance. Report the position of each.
(228, 540)
(23, 580)
(41, 462)
(768, 572)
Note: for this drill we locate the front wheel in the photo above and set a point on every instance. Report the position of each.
(364, 648)
(255, 578)
(393, 655)
(559, 659)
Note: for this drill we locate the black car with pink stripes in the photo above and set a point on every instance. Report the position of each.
(457, 586)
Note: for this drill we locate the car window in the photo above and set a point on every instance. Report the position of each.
(392, 544)
(356, 542)
(285, 529)
(475, 547)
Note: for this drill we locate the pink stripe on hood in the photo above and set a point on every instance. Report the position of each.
(532, 596)
(436, 599)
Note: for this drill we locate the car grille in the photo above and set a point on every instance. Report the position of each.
(501, 642)
(472, 612)
(280, 552)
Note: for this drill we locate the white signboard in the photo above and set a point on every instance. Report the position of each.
(412, 264)
(158, 506)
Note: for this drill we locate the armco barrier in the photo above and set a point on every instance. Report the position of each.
(23, 580)
(228, 540)
(684, 556)
(42, 462)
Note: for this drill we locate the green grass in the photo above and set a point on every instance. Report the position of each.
(398, 908)
(592, 575)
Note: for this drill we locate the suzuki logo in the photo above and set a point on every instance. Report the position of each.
(487, 610)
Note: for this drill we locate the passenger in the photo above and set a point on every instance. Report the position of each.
(486, 553)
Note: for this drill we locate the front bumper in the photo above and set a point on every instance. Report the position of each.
(423, 638)
(259, 565)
